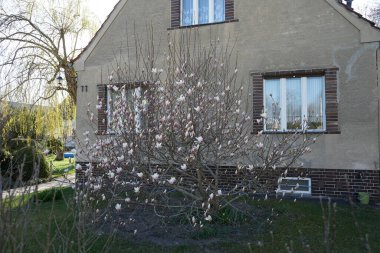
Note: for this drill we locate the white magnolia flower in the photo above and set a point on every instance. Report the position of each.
(197, 109)
(181, 98)
(154, 70)
(158, 137)
(180, 82)
(199, 139)
(136, 189)
(219, 192)
(158, 145)
(99, 106)
(155, 176)
(183, 167)
(263, 115)
(208, 218)
(190, 91)
(78, 167)
(103, 197)
(217, 98)
(130, 152)
(193, 219)
(118, 207)
(172, 180)
(260, 145)
(111, 174)
(119, 169)
(128, 200)
(211, 195)
(120, 158)
(250, 167)
(167, 102)
(140, 174)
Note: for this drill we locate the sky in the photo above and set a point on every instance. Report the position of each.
(101, 8)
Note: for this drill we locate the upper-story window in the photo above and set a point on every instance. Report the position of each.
(194, 12)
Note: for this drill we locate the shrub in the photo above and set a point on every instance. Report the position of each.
(5, 160)
(49, 195)
(29, 158)
(55, 145)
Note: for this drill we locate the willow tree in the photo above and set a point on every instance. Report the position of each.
(38, 41)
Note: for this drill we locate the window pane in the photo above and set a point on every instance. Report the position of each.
(315, 102)
(187, 12)
(293, 103)
(218, 10)
(203, 17)
(272, 104)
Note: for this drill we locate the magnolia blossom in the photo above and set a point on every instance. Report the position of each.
(208, 218)
(172, 180)
(219, 192)
(155, 176)
(199, 139)
(211, 195)
(130, 152)
(119, 169)
(260, 145)
(78, 167)
(140, 174)
(111, 174)
(183, 167)
(181, 98)
(158, 145)
(136, 189)
(263, 115)
(127, 199)
(158, 137)
(118, 207)
(197, 109)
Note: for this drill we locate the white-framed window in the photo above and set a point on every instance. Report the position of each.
(194, 12)
(294, 104)
(123, 104)
(294, 185)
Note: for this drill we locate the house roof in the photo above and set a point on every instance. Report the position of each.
(346, 11)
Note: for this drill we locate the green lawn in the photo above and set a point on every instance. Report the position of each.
(298, 225)
(61, 167)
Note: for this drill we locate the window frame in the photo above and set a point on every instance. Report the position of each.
(294, 191)
(211, 13)
(109, 90)
(283, 105)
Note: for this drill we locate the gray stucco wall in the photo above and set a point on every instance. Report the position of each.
(271, 35)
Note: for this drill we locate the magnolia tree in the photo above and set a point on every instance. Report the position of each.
(180, 136)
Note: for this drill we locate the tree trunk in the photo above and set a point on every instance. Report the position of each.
(59, 156)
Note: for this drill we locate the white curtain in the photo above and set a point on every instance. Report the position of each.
(187, 12)
(272, 104)
(219, 10)
(315, 102)
(293, 103)
(203, 16)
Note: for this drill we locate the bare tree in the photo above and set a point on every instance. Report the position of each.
(38, 41)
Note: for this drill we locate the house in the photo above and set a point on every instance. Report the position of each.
(317, 58)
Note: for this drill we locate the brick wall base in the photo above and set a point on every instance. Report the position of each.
(335, 183)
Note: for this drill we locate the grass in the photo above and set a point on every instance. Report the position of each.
(294, 224)
(61, 167)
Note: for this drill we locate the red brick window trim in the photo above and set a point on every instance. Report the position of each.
(331, 98)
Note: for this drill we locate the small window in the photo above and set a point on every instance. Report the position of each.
(123, 104)
(294, 185)
(294, 104)
(194, 12)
